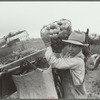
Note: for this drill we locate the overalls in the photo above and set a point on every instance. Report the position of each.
(69, 90)
(68, 87)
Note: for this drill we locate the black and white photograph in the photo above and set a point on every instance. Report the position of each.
(49, 50)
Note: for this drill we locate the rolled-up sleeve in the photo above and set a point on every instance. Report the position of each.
(60, 63)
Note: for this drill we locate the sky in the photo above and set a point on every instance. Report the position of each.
(32, 16)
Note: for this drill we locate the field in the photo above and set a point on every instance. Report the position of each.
(23, 48)
(92, 77)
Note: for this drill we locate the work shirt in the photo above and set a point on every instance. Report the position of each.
(75, 64)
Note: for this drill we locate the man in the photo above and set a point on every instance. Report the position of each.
(72, 62)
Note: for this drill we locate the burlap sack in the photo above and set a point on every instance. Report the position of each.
(37, 84)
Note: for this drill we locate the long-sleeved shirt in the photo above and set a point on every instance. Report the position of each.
(75, 64)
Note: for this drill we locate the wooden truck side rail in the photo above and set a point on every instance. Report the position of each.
(7, 86)
(16, 63)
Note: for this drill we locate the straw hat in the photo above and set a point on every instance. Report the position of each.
(76, 37)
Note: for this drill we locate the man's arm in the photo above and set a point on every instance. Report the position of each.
(60, 63)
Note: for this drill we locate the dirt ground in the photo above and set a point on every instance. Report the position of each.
(92, 81)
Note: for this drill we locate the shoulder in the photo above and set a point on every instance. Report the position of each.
(79, 62)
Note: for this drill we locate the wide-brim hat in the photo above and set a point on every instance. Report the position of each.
(77, 38)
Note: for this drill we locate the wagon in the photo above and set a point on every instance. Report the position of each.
(36, 84)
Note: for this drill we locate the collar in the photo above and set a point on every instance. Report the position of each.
(80, 55)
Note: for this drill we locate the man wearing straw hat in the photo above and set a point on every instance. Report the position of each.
(72, 62)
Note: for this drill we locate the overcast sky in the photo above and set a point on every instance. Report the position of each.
(31, 16)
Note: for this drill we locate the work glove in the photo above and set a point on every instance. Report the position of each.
(46, 39)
